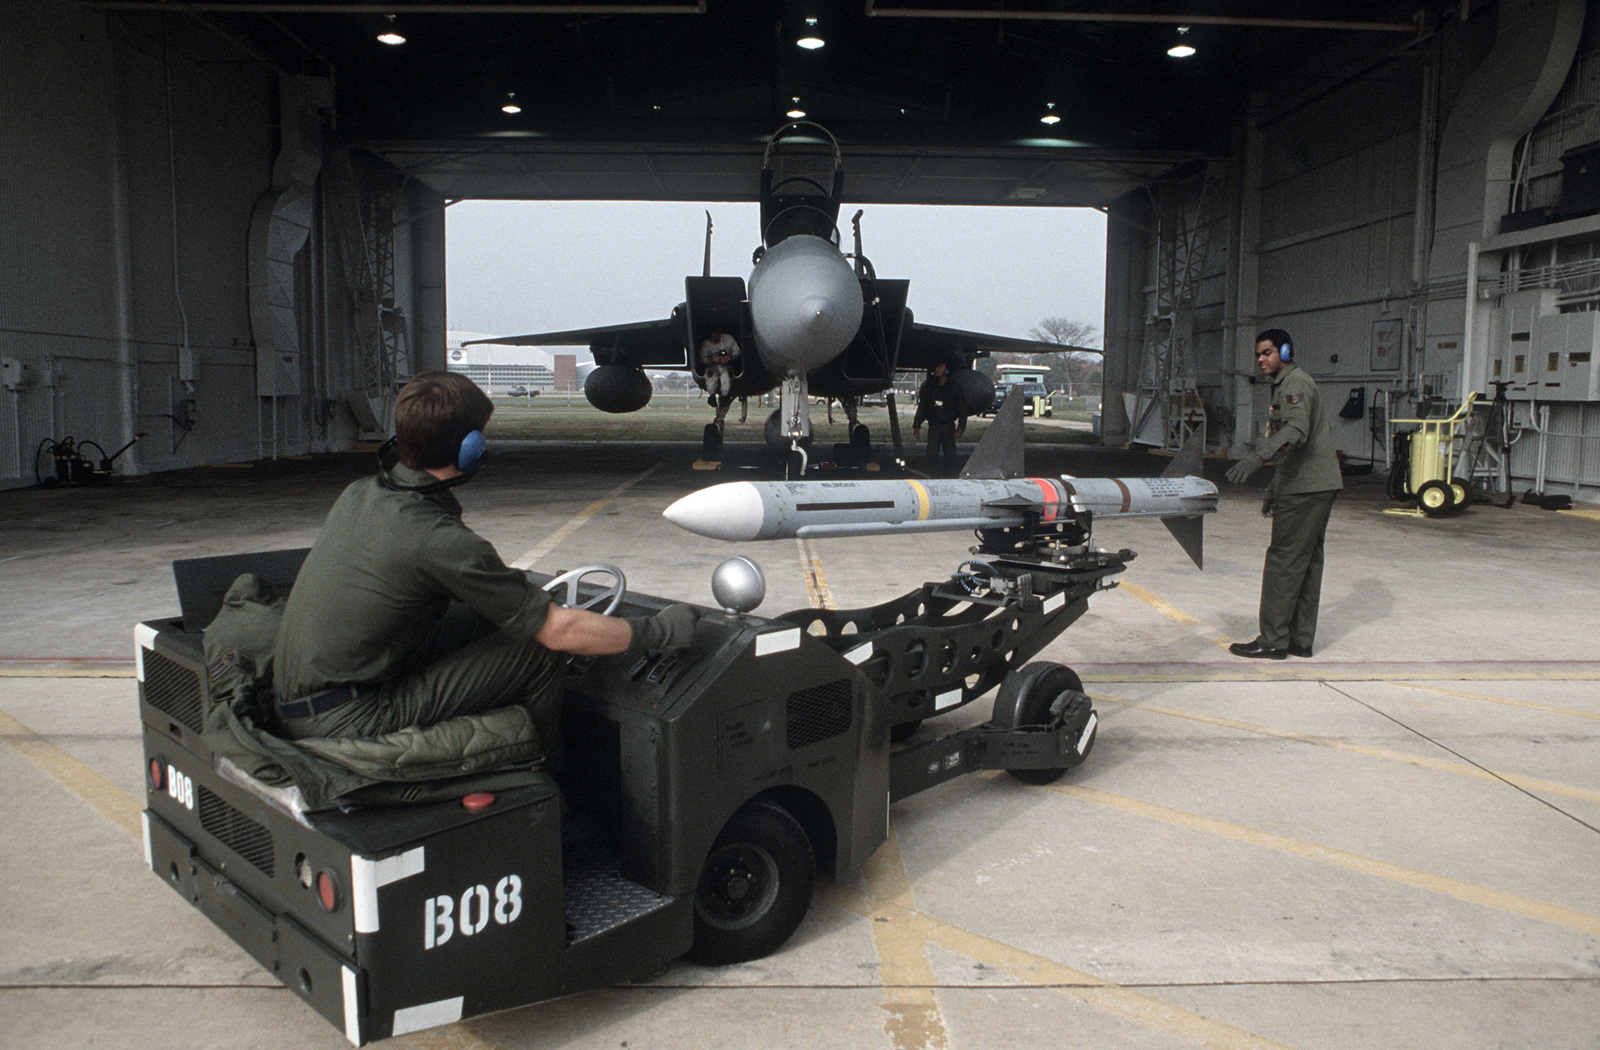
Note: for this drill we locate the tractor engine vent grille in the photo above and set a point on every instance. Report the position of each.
(818, 713)
(235, 830)
(173, 689)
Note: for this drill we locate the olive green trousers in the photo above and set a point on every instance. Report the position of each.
(1291, 581)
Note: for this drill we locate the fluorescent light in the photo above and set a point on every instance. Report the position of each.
(391, 35)
(1050, 116)
(810, 43)
(511, 104)
(1181, 49)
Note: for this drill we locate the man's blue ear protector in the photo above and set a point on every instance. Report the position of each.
(472, 449)
(1285, 354)
(468, 459)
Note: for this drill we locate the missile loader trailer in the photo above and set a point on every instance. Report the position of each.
(701, 787)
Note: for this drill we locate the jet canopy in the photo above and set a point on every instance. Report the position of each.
(802, 183)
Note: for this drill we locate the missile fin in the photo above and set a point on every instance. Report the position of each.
(999, 455)
(1190, 534)
(1190, 458)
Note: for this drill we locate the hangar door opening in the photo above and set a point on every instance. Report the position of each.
(520, 267)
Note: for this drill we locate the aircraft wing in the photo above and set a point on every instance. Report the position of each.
(658, 344)
(922, 345)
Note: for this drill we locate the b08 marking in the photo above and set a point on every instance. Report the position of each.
(180, 787)
(445, 916)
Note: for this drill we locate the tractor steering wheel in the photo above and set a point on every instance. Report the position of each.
(565, 588)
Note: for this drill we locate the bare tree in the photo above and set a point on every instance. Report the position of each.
(1069, 369)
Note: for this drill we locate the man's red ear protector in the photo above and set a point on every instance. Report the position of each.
(468, 458)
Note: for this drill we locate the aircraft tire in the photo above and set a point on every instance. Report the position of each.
(711, 443)
(755, 886)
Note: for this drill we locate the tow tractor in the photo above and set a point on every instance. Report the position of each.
(702, 789)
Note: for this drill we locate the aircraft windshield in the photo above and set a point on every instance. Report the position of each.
(801, 182)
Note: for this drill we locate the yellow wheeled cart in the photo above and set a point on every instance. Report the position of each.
(1424, 464)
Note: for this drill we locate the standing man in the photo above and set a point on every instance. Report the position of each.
(939, 401)
(402, 616)
(1299, 501)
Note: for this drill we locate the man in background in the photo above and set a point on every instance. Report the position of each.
(940, 403)
(1299, 501)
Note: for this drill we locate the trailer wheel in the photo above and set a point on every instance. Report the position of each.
(1435, 498)
(1025, 699)
(755, 886)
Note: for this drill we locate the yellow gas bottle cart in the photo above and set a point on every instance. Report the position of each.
(1423, 467)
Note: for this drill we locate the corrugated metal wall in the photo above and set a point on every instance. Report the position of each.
(1326, 230)
(135, 148)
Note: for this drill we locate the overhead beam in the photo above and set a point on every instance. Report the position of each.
(397, 7)
(1026, 15)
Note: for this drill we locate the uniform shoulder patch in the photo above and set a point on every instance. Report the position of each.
(1295, 399)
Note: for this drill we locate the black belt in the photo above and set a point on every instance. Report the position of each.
(314, 704)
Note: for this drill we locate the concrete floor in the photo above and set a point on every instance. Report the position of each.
(1395, 844)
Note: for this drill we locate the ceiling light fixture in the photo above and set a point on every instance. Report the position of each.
(812, 40)
(511, 104)
(1050, 115)
(390, 34)
(1182, 48)
(796, 112)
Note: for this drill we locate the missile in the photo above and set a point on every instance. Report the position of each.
(739, 511)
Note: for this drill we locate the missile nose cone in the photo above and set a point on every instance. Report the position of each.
(731, 511)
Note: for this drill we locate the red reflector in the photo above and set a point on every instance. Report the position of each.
(327, 891)
(155, 774)
(478, 800)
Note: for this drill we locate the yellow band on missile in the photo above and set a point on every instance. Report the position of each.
(922, 499)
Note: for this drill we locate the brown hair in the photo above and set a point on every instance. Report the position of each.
(433, 414)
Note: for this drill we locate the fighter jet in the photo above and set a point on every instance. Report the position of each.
(811, 321)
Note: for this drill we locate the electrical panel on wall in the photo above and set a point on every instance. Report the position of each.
(1540, 351)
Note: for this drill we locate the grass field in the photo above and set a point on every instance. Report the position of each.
(674, 417)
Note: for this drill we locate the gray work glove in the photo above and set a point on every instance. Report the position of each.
(1240, 472)
(671, 628)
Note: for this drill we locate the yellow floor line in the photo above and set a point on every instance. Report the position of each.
(914, 1021)
(1531, 705)
(110, 801)
(458, 1036)
(821, 597)
(1466, 769)
(1466, 891)
(1592, 515)
(1039, 971)
(1176, 614)
(67, 668)
(530, 558)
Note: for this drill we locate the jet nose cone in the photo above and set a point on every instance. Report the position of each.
(806, 304)
(731, 511)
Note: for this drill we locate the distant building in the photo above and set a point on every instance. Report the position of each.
(497, 368)
(566, 366)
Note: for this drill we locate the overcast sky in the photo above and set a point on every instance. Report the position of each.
(516, 267)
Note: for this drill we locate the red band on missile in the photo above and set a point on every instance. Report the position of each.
(1049, 496)
(1127, 497)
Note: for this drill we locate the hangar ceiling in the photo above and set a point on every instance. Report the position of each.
(932, 102)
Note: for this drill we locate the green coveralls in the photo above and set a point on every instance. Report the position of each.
(1302, 493)
(372, 609)
(945, 411)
